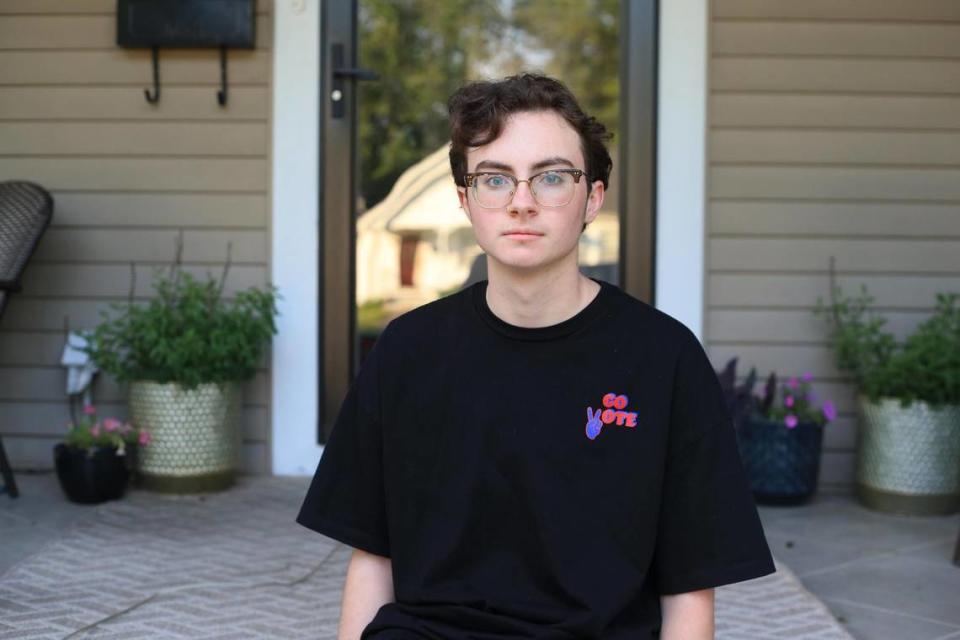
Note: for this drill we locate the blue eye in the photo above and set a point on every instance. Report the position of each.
(495, 181)
(553, 178)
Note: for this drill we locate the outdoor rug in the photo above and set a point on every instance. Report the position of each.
(235, 565)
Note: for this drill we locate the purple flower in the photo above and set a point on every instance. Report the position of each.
(807, 376)
(790, 421)
(788, 401)
(829, 411)
(793, 383)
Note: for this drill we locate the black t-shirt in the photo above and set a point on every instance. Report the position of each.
(547, 482)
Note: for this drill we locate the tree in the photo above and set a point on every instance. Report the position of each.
(423, 50)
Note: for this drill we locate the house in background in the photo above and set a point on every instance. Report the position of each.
(785, 133)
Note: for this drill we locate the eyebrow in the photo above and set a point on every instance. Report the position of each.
(546, 162)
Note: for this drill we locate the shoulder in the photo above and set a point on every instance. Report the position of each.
(657, 326)
(429, 323)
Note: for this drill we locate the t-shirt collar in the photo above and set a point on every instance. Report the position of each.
(578, 321)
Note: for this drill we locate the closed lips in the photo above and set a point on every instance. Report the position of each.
(522, 232)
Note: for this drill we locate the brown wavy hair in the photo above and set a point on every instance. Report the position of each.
(479, 110)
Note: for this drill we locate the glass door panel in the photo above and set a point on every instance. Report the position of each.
(413, 243)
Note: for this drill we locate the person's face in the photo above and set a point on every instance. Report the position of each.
(531, 142)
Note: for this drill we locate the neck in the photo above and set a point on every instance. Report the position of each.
(537, 299)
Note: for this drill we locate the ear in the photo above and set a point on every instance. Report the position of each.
(594, 201)
(462, 196)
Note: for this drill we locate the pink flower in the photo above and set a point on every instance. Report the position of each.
(111, 424)
(144, 438)
(89, 409)
(95, 431)
(793, 383)
(788, 401)
(807, 376)
(790, 421)
(829, 411)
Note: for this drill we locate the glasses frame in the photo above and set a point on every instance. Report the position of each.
(470, 179)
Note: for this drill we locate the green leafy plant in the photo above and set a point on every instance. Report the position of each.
(925, 366)
(89, 433)
(187, 333)
(929, 362)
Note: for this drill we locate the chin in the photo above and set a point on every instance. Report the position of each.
(530, 261)
(528, 257)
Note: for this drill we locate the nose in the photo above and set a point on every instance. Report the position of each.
(522, 200)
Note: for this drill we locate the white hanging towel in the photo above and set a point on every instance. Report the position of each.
(80, 367)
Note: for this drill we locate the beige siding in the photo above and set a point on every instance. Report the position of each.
(834, 131)
(126, 176)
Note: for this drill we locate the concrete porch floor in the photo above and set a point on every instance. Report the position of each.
(883, 577)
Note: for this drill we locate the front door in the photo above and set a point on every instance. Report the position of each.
(393, 236)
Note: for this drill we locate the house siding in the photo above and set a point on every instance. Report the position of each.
(126, 177)
(834, 129)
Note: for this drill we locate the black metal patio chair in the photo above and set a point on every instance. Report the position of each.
(25, 212)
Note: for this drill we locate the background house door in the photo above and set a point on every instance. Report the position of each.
(393, 236)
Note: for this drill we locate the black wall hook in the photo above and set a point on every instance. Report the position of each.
(222, 93)
(186, 24)
(155, 98)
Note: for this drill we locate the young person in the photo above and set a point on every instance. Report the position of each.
(539, 455)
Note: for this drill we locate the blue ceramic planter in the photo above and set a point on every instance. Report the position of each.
(781, 464)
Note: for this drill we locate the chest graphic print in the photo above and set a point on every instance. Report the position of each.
(612, 412)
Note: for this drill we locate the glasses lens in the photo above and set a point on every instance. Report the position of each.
(553, 188)
(493, 189)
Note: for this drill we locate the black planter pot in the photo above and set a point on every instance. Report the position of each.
(781, 464)
(89, 479)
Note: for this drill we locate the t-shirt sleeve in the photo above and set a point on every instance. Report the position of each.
(709, 532)
(345, 500)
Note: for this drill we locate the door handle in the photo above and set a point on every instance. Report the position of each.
(342, 74)
(359, 74)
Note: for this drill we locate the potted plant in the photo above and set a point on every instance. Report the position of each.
(94, 462)
(184, 355)
(908, 397)
(779, 434)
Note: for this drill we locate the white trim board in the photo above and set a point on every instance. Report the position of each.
(294, 248)
(681, 205)
(681, 162)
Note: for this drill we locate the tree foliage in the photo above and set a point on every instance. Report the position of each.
(583, 38)
(423, 50)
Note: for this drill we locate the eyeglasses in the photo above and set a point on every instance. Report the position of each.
(551, 188)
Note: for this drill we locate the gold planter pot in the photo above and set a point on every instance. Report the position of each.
(908, 459)
(195, 435)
